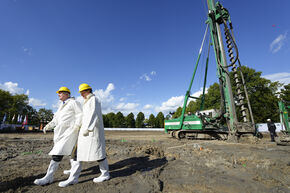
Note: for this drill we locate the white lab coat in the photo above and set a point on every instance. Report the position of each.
(91, 147)
(66, 122)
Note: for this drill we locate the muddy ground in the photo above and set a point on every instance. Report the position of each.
(152, 162)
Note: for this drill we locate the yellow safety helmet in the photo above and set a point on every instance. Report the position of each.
(83, 87)
(63, 89)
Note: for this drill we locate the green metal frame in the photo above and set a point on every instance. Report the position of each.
(284, 116)
(214, 19)
(217, 15)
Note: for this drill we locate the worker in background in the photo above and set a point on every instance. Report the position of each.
(66, 124)
(272, 129)
(91, 139)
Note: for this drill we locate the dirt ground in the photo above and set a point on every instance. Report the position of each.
(152, 162)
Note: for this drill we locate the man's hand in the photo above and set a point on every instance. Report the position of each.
(76, 128)
(46, 128)
(86, 132)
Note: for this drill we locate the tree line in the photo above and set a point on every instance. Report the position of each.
(118, 120)
(15, 107)
(263, 95)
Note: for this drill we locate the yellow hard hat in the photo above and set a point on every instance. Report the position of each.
(63, 89)
(83, 87)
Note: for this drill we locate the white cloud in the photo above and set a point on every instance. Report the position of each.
(56, 104)
(277, 44)
(171, 104)
(153, 73)
(126, 108)
(282, 77)
(130, 94)
(27, 51)
(147, 77)
(174, 102)
(36, 102)
(107, 100)
(80, 99)
(105, 95)
(147, 110)
(148, 106)
(122, 99)
(12, 88)
(198, 93)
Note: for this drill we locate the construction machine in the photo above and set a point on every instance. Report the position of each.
(226, 124)
(284, 137)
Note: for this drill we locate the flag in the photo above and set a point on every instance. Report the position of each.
(4, 118)
(13, 118)
(25, 121)
(18, 119)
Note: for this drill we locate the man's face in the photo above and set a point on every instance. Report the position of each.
(63, 96)
(85, 93)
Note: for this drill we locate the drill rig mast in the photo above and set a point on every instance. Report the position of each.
(226, 122)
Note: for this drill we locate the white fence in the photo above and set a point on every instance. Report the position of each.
(14, 126)
(134, 129)
(262, 127)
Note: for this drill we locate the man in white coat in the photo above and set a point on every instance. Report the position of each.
(66, 123)
(91, 140)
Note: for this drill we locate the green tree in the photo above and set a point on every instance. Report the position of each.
(20, 104)
(261, 94)
(45, 115)
(6, 102)
(106, 121)
(160, 120)
(285, 94)
(152, 121)
(14, 105)
(111, 119)
(177, 113)
(212, 98)
(32, 118)
(140, 120)
(119, 120)
(130, 120)
(168, 116)
(146, 122)
(193, 106)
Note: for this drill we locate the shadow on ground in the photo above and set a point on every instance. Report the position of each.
(127, 167)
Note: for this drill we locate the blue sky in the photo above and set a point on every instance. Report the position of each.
(138, 55)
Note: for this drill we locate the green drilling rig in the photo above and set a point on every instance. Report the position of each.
(284, 138)
(226, 124)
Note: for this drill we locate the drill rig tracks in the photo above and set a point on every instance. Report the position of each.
(199, 134)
